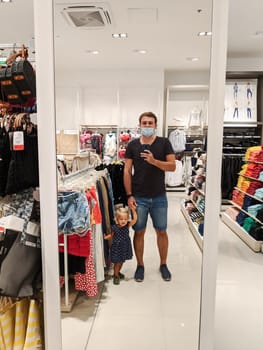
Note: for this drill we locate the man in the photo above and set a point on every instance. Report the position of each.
(146, 160)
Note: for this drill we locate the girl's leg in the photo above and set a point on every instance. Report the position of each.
(117, 268)
(116, 276)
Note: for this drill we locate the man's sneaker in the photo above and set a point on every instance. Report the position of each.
(139, 274)
(166, 274)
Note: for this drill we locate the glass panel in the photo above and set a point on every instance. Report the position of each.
(104, 81)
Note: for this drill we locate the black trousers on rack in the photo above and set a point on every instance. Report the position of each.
(231, 165)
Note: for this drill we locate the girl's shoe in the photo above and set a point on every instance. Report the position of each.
(116, 280)
(121, 275)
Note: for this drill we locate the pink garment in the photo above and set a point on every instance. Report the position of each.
(86, 281)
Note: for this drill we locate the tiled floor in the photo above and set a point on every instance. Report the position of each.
(150, 315)
(165, 315)
(239, 300)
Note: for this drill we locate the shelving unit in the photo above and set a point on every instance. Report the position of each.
(246, 212)
(193, 227)
(250, 195)
(202, 192)
(238, 137)
(243, 234)
(251, 178)
(254, 244)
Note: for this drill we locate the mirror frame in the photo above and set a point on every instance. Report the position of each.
(213, 171)
(44, 43)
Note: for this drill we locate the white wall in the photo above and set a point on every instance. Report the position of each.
(180, 102)
(116, 97)
(108, 97)
(187, 77)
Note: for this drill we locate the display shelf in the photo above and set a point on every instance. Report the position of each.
(252, 161)
(240, 232)
(196, 206)
(241, 137)
(193, 227)
(200, 191)
(246, 212)
(249, 177)
(194, 143)
(234, 147)
(180, 188)
(249, 195)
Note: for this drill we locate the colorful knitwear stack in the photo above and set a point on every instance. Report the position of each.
(248, 194)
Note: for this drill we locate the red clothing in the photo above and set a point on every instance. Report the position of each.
(79, 246)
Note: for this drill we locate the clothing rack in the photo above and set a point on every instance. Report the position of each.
(70, 296)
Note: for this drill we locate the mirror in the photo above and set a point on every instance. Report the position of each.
(238, 296)
(103, 83)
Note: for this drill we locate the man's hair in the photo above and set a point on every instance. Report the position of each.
(148, 114)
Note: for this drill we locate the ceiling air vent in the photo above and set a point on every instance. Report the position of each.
(91, 16)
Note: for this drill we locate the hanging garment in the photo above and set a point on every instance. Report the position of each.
(34, 336)
(7, 328)
(195, 119)
(6, 243)
(73, 213)
(19, 270)
(5, 157)
(178, 139)
(23, 167)
(21, 320)
(175, 178)
(110, 145)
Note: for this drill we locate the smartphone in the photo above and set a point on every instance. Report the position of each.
(145, 147)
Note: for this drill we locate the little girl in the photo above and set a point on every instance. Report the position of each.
(121, 248)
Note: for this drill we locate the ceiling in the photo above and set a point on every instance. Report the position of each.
(167, 30)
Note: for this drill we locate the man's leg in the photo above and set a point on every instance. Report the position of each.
(138, 243)
(162, 243)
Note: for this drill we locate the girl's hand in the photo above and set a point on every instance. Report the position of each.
(107, 236)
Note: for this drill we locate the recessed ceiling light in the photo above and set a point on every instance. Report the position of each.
(259, 34)
(120, 35)
(192, 59)
(6, 0)
(204, 34)
(92, 52)
(140, 51)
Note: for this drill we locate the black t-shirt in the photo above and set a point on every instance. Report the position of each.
(147, 179)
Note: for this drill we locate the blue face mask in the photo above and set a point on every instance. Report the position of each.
(147, 132)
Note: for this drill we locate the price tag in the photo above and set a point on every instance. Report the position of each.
(18, 141)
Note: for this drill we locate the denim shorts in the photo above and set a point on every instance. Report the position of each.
(73, 213)
(156, 207)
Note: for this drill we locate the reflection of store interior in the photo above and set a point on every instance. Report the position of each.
(97, 113)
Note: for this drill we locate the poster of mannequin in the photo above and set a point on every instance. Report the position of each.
(241, 100)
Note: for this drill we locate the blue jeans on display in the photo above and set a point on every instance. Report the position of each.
(73, 213)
